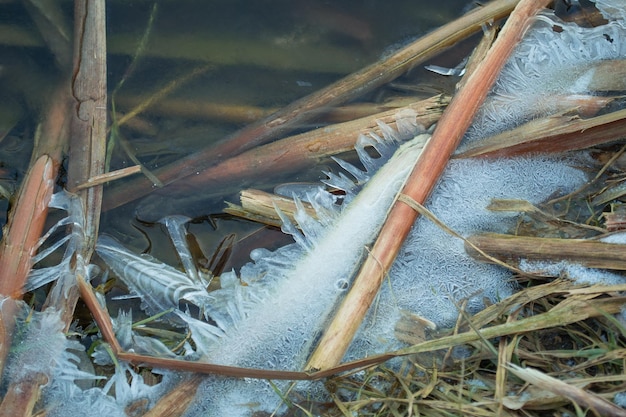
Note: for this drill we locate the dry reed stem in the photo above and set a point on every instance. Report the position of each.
(450, 129)
(88, 127)
(21, 398)
(87, 139)
(19, 244)
(590, 253)
(557, 133)
(109, 176)
(296, 152)
(89, 91)
(175, 403)
(261, 207)
(25, 227)
(598, 405)
(304, 109)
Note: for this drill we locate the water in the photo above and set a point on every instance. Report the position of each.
(261, 55)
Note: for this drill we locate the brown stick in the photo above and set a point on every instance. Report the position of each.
(260, 206)
(291, 154)
(88, 138)
(450, 129)
(591, 253)
(307, 107)
(25, 227)
(558, 133)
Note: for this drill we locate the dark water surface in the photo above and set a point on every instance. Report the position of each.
(256, 57)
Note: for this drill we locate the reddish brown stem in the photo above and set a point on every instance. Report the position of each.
(25, 228)
(20, 244)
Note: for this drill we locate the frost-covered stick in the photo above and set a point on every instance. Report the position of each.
(20, 399)
(105, 326)
(446, 137)
(590, 253)
(88, 137)
(304, 109)
(20, 242)
(25, 227)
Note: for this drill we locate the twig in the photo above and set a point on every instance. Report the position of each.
(450, 129)
(87, 148)
(109, 176)
(261, 207)
(309, 106)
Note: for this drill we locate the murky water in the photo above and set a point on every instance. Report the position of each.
(255, 57)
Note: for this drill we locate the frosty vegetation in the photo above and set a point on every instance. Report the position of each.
(274, 318)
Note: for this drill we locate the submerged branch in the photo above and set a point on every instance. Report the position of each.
(289, 155)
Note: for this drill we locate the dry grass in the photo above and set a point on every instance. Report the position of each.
(476, 379)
